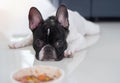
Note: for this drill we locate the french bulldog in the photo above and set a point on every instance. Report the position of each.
(59, 36)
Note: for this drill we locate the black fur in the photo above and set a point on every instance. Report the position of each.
(57, 34)
(53, 40)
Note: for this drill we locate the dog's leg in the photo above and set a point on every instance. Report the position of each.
(19, 44)
(76, 45)
(91, 28)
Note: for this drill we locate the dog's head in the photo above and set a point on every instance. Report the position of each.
(49, 36)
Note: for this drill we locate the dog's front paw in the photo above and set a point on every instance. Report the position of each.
(68, 54)
(15, 45)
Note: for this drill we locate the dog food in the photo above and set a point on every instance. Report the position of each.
(38, 74)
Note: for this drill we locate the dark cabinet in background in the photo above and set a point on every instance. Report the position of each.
(95, 8)
(105, 8)
(82, 6)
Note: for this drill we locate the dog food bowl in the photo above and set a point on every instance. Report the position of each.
(38, 74)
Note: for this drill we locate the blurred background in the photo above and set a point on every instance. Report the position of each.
(95, 9)
(15, 12)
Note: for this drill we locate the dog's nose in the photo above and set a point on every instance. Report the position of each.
(48, 49)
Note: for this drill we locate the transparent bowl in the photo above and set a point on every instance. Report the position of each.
(54, 72)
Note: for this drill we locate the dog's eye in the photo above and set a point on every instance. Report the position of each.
(39, 43)
(59, 43)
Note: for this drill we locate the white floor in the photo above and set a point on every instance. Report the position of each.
(99, 63)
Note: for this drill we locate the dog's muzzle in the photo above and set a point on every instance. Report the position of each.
(47, 53)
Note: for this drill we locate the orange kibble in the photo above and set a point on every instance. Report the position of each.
(42, 77)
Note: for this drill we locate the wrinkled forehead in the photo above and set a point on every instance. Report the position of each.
(51, 21)
(51, 28)
(52, 25)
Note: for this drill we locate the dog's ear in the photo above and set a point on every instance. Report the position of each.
(35, 18)
(62, 16)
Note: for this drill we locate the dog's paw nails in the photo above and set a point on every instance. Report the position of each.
(11, 45)
(68, 54)
(15, 45)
